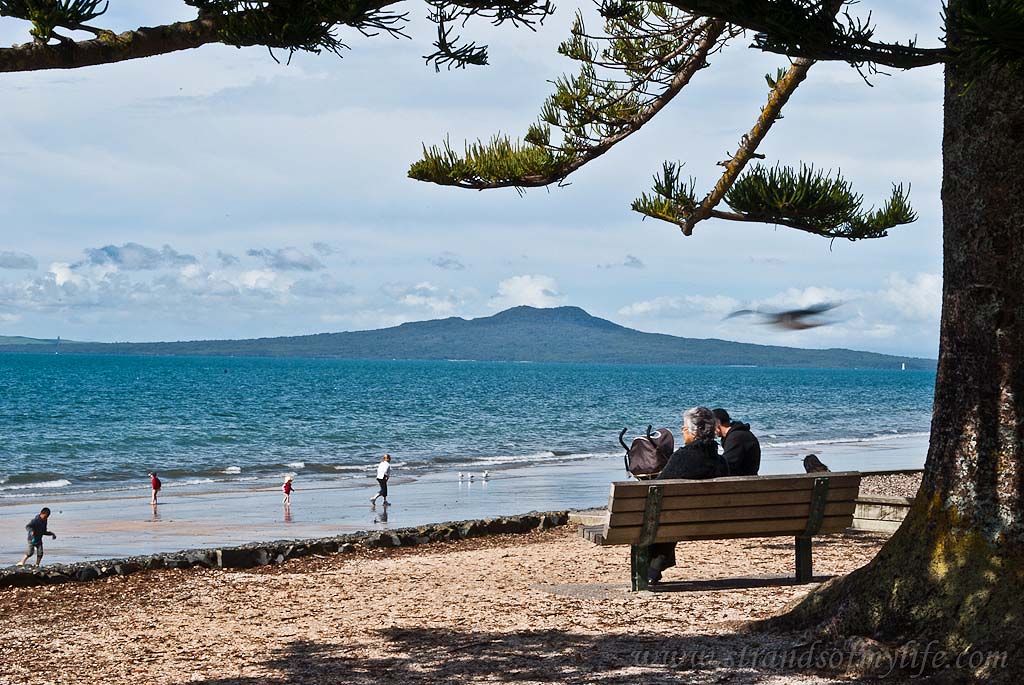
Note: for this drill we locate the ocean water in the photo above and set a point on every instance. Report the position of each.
(76, 425)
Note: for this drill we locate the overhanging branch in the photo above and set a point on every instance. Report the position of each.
(108, 47)
(781, 92)
(502, 163)
(798, 28)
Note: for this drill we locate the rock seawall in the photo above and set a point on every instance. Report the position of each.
(257, 554)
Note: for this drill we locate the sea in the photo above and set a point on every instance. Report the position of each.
(80, 426)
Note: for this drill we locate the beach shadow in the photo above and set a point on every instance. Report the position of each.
(733, 583)
(425, 655)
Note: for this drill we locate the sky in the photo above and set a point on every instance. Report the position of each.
(215, 193)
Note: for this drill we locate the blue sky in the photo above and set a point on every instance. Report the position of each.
(215, 193)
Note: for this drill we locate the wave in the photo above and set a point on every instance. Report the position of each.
(232, 470)
(296, 465)
(190, 481)
(848, 440)
(40, 485)
(510, 460)
(352, 467)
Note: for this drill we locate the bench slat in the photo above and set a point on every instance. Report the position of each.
(672, 487)
(722, 529)
(737, 499)
(780, 511)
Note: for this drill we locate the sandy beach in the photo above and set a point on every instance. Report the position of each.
(542, 607)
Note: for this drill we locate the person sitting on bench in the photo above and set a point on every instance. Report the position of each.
(739, 446)
(697, 459)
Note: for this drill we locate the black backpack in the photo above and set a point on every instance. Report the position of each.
(647, 455)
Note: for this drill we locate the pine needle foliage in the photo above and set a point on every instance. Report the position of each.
(991, 32)
(485, 164)
(48, 15)
(451, 52)
(672, 199)
(815, 29)
(296, 25)
(806, 199)
(647, 53)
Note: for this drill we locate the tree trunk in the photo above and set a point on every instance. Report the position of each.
(954, 572)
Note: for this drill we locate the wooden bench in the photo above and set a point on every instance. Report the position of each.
(641, 513)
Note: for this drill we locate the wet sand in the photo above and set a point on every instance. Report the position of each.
(125, 525)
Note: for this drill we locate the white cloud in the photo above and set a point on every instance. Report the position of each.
(423, 296)
(535, 291)
(226, 258)
(324, 249)
(918, 298)
(287, 259)
(674, 307)
(630, 262)
(135, 257)
(323, 286)
(448, 261)
(17, 260)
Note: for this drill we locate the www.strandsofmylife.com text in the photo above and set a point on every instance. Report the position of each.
(914, 659)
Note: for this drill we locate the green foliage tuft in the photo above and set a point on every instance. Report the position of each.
(48, 15)
(624, 77)
(499, 161)
(986, 33)
(672, 198)
(805, 199)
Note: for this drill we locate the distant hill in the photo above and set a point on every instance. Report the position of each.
(20, 340)
(560, 334)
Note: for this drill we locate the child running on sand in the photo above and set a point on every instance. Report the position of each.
(155, 484)
(36, 530)
(287, 490)
(383, 474)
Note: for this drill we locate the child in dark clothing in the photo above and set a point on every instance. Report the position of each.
(36, 530)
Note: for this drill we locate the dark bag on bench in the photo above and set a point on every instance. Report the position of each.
(648, 454)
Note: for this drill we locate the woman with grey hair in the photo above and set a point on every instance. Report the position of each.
(697, 459)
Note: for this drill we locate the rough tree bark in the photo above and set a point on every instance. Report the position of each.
(954, 572)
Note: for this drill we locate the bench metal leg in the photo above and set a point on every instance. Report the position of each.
(639, 566)
(804, 573)
(640, 554)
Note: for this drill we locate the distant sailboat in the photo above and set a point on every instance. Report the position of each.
(903, 366)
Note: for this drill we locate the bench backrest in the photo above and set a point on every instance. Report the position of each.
(733, 507)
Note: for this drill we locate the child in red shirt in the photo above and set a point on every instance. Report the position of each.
(287, 490)
(155, 484)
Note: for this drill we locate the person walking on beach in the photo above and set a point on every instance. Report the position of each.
(36, 530)
(740, 447)
(383, 474)
(287, 489)
(155, 484)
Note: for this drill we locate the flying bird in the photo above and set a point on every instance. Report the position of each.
(791, 319)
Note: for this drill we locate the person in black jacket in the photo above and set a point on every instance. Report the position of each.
(740, 448)
(36, 529)
(697, 459)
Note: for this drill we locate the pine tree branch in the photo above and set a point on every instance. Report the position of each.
(295, 25)
(781, 92)
(804, 199)
(504, 164)
(108, 47)
(801, 28)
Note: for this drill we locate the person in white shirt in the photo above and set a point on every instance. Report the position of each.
(383, 473)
